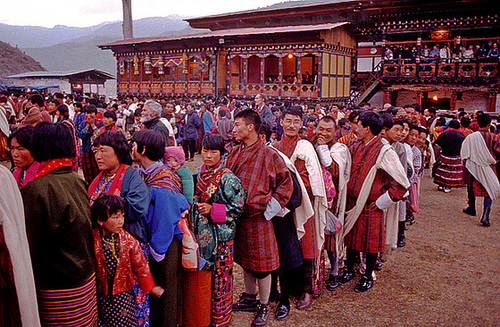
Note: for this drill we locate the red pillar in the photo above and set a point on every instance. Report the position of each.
(453, 100)
(419, 98)
(387, 97)
(492, 102)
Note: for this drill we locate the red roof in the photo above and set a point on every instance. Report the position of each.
(226, 33)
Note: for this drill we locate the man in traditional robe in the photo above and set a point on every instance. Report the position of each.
(377, 181)
(266, 115)
(268, 183)
(302, 154)
(479, 151)
(335, 159)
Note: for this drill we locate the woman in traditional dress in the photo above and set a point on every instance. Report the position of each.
(112, 154)
(20, 148)
(219, 201)
(60, 232)
(165, 211)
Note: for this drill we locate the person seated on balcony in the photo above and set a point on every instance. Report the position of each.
(307, 78)
(480, 51)
(426, 51)
(434, 53)
(292, 79)
(493, 53)
(445, 53)
(406, 53)
(469, 53)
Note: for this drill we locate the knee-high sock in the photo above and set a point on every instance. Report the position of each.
(250, 282)
(371, 258)
(351, 257)
(334, 263)
(487, 203)
(264, 289)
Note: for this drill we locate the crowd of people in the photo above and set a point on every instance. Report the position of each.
(103, 224)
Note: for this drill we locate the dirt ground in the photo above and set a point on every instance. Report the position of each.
(447, 275)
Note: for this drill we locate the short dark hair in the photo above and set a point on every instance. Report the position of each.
(104, 206)
(423, 130)
(399, 121)
(329, 119)
(152, 141)
(79, 105)
(353, 115)
(37, 99)
(63, 110)
(51, 141)
(222, 112)
(432, 110)
(343, 121)
(110, 114)
(214, 142)
(415, 126)
(294, 111)
(387, 121)
(90, 108)
(483, 120)
(250, 117)
(23, 136)
(118, 142)
(266, 130)
(58, 95)
(465, 122)
(372, 120)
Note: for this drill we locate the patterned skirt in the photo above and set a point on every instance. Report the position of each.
(141, 299)
(222, 285)
(69, 307)
(116, 310)
(450, 172)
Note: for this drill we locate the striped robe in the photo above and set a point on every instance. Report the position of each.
(368, 233)
(264, 175)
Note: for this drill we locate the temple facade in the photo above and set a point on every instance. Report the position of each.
(376, 51)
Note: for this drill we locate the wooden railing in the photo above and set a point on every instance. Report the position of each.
(473, 70)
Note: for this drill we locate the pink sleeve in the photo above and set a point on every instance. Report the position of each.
(218, 213)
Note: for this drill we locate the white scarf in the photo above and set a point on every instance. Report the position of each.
(304, 150)
(12, 219)
(305, 211)
(388, 161)
(478, 160)
(342, 157)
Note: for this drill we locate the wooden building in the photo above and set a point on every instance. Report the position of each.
(334, 51)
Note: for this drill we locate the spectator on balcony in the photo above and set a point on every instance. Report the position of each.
(426, 51)
(388, 55)
(480, 51)
(493, 53)
(434, 53)
(469, 53)
(406, 53)
(445, 53)
(292, 79)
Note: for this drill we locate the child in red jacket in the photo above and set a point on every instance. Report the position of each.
(119, 257)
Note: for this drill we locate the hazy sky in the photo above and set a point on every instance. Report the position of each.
(81, 13)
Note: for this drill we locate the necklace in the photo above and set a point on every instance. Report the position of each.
(112, 245)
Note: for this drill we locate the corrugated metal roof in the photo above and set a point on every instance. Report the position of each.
(229, 32)
(56, 74)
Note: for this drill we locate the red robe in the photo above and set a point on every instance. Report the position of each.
(264, 175)
(308, 241)
(368, 233)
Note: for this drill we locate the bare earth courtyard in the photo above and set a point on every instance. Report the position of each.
(447, 275)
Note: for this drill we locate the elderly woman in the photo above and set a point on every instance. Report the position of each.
(20, 148)
(112, 154)
(219, 201)
(59, 232)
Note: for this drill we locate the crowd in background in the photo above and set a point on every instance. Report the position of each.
(288, 189)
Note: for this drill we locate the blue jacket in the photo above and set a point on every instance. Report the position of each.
(192, 123)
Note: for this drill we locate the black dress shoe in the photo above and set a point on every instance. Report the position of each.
(470, 211)
(346, 276)
(485, 219)
(247, 302)
(378, 265)
(332, 283)
(364, 284)
(282, 311)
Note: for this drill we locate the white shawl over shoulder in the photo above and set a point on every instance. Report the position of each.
(12, 219)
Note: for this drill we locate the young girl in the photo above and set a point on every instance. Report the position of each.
(174, 158)
(119, 257)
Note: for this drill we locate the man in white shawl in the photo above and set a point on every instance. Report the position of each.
(302, 154)
(477, 152)
(377, 181)
(336, 162)
(13, 236)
